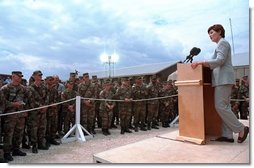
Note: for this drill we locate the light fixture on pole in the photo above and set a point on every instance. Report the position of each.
(110, 60)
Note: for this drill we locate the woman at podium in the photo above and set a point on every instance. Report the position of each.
(222, 81)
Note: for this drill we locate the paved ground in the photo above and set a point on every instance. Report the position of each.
(83, 152)
(78, 152)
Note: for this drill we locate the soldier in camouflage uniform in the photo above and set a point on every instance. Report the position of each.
(97, 90)
(37, 120)
(25, 140)
(175, 99)
(68, 107)
(106, 107)
(60, 88)
(124, 93)
(52, 111)
(160, 86)
(74, 80)
(86, 89)
(234, 95)
(139, 92)
(2, 107)
(115, 118)
(167, 104)
(15, 95)
(244, 94)
(152, 105)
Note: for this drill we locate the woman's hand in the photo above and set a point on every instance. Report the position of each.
(195, 64)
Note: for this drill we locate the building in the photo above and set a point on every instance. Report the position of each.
(165, 71)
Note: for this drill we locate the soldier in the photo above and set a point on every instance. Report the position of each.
(97, 90)
(139, 92)
(175, 99)
(234, 95)
(106, 107)
(2, 106)
(15, 95)
(160, 86)
(244, 94)
(52, 111)
(115, 118)
(86, 90)
(25, 140)
(68, 107)
(74, 80)
(167, 104)
(124, 93)
(153, 105)
(37, 121)
(60, 88)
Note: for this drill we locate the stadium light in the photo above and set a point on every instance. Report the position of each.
(110, 60)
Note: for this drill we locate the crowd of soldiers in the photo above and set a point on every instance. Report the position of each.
(130, 103)
(240, 98)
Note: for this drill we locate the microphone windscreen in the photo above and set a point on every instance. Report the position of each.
(195, 51)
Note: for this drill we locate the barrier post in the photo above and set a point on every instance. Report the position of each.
(78, 128)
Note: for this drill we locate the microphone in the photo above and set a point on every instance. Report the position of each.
(193, 52)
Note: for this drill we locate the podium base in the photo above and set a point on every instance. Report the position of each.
(189, 139)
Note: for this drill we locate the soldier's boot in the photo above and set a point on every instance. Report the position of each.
(164, 125)
(2, 159)
(136, 128)
(25, 146)
(128, 131)
(42, 146)
(104, 132)
(93, 131)
(54, 142)
(122, 131)
(8, 157)
(48, 140)
(148, 126)
(108, 132)
(17, 152)
(142, 127)
(34, 149)
(154, 126)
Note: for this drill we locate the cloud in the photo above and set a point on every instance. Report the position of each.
(66, 36)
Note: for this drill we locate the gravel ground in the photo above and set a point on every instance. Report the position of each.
(82, 152)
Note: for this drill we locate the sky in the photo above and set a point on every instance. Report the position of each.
(59, 37)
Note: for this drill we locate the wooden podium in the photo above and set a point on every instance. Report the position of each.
(197, 115)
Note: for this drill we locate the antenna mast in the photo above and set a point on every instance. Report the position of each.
(232, 36)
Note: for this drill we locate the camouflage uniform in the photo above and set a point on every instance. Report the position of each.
(175, 99)
(68, 107)
(106, 109)
(60, 88)
(124, 93)
(74, 80)
(244, 93)
(139, 92)
(152, 105)
(52, 112)
(37, 120)
(115, 118)
(86, 90)
(234, 95)
(2, 106)
(97, 90)
(167, 104)
(14, 124)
